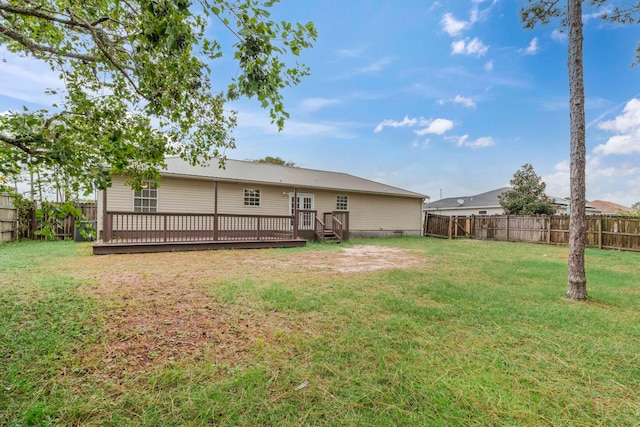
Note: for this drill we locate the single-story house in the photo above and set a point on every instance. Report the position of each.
(486, 204)
(610, 208)
(213, 203)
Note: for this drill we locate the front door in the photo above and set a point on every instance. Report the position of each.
(305, 203)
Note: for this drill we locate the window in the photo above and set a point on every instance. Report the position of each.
(482, 212)
(342, 203)
(146, 199)
(251, 197)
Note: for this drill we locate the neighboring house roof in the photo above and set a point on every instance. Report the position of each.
(266, 173)
(610, 207)
(483, 201)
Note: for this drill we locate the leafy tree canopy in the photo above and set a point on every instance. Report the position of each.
(526, 196)
(613, 11)
(636, 205)
(137, 82)
(276, 161)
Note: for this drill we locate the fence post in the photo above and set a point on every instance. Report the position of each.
(450, 225)
(507, 239)
(548, 229)
(426, 224)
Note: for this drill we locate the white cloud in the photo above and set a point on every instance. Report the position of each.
(458, 47)
(419, 144)
(612, 182)
(350, 53)
(459, 99)
(488, 66)
(559, 36)
(252, 122)
(314, 104)
(452, 26)
(467, 102)
(437, 126)
(433, 126)
(367, 69)
(29, 79)
(469, 47)
(586, 17)
(397, 124)
(532, 49)
(483, 142)
(627, 127)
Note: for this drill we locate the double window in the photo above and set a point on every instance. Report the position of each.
(146, 199)
(342, 203)
(251, 197)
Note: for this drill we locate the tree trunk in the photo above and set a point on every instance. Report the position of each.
(577, 283)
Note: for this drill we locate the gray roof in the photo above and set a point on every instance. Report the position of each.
(482, 200)
(266, 173)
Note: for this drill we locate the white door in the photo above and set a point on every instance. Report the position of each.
(305, 203)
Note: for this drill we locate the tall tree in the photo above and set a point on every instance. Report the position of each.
(543, 11)
(137, 81)
(276, 161)
(526, 196)
(577, 282)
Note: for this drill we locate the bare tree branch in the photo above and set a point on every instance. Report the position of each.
(39, 48)
(19, 144)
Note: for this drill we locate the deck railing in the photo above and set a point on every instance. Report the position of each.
(146, 227)
(139, 227)
(340, 224)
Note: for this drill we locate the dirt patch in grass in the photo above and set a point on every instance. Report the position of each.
(158, 308)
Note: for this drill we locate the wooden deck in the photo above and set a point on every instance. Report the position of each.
(151, 247)
(136, 232)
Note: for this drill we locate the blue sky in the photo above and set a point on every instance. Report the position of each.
(436, 97)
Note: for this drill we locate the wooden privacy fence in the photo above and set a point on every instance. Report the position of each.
(605, 232)
(22, 223)
(8, 218)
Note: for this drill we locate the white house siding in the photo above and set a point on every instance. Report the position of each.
(369, 214)
(378, 215)
(272, 199)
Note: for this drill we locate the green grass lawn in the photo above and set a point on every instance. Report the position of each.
(476, 333)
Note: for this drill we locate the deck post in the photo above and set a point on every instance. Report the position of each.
(295, 212)
(164, 229)
(259, 228)
(346, 226)
(106, 219)
(215, 210)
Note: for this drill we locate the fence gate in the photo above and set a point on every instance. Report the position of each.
(7, 218)
(447, 226)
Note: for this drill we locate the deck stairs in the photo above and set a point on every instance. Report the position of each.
(329, 236)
